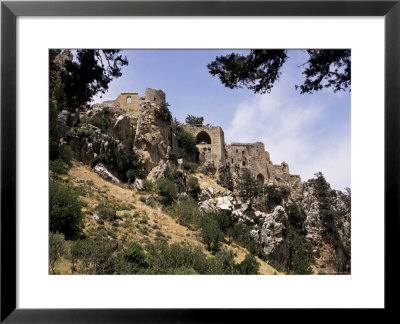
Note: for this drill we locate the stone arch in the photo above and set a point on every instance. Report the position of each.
(203, 138)
(260, 179)
(128, 100)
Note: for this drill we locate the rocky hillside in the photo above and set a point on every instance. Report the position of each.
(144, 165)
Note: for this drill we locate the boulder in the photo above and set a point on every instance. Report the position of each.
(138, 184)
(102, 171)
(207, 206)
(158, 171)
(224, 203)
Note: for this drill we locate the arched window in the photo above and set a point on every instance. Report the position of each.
(203, 138)
(260, 179)
(128, 100)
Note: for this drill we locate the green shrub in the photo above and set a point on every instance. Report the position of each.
(59, 166)
(147, 185)
(163, 113)
(106, 110)
(193, 187)
(211, 233)
(167, 190)
(296, 215)
(190, 166)
(247, 185)
(186, 142)
(58, 247)
(94, 255)
(134, 254)
(177, 177)
(98, 122)
(249, 266)
(106, 211)
(226, 259)
(65, 211)
(186, 212)
(300, 253)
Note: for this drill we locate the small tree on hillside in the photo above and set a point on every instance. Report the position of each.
(58, 247)
(193, 120)
(247, 185)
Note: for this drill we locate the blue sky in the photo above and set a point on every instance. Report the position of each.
(311, 132)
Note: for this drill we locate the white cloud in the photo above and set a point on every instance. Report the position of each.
(294, 131)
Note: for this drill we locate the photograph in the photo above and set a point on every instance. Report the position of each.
(199, 161)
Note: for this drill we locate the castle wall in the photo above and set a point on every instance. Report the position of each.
(133, 106)
(155, 96)
(209, 152)
(248, 155)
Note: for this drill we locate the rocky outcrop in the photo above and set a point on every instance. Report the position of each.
(331, 252)
(102, 171)
(272, 235)
(153, 137)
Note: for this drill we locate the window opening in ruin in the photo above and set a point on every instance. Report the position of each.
(244, 163)
(260, 179)
(154, 99)
(232, 161)
(203, 138)
(128, 100)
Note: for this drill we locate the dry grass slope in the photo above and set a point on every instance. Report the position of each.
(134, 225)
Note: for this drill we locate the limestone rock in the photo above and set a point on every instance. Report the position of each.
(157, 172)
(271, 237)
(102, 171)
(224, 203)
(153, 136)
(207, 206)
(138, 184)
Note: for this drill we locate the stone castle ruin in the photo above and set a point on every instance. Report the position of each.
(236, 156)
(213, 151)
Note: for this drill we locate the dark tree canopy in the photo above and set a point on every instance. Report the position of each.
(77, 76)
(260, 70)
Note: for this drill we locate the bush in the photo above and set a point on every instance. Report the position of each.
(65, 211)
(186, 142)
(180, 259)
(193, 187)
(106, 211)
(164, 113)
(147, 185)
(211, 233)
(177, 177)
(134, 254)
(300, 253)
(94, 255)
(167, 190)
(247, 185)
(125, 163)
(249, 266)
(58, 247)
(186, 212)
(296, 215)
(190, 166)
(226, 259)
(274, 195)
(59, 166)
(98, 122)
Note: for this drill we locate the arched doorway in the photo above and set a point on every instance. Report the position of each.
(203, 138)
(260, 179)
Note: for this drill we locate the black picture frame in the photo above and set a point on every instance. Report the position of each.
(10, 10)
